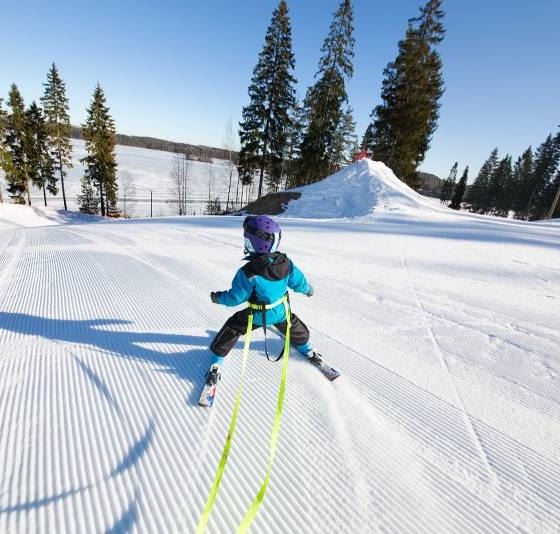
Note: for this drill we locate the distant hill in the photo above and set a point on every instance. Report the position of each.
(430, 184)
(196, 152)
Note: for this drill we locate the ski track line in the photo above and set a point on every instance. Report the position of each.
(493, 324)
(448, 374)
(513, 384)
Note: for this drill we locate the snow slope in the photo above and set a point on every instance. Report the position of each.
(15, 216)
(446, 417)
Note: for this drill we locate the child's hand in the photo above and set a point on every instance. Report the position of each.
(309, 291)
(214, 296)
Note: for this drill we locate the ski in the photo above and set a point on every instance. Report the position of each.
(209, 390)
(207, 396)
(328, 371)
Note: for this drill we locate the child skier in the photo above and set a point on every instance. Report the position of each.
(263, 281)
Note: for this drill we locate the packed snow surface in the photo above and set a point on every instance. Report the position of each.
(446, 418)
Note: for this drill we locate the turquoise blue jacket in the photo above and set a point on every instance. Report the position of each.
(263, 280)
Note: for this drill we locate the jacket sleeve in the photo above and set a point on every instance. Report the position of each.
(297, 280)
(241, 289)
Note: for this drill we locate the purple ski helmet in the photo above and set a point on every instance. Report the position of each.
(262, 234)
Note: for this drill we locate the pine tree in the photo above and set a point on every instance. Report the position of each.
(5, 159)
(500, 190)
(368, 139)
(496, 183)
(55, 106)
(325, 100)
(88, 199)
(546, 163)
(17, 175)
(477, 195)
(523, 173)
(449, 185)
(40, 161)
(403, 125)
(344, 143)
(262, 132)
(293, 142)
(459, 191)
(100, 161)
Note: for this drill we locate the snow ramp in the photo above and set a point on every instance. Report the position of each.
(359, 190)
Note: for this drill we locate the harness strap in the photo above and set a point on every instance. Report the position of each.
(262, 308)
(257, 306)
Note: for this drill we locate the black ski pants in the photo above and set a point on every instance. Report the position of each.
(236, 326)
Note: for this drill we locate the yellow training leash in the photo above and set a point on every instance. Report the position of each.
(255, 505)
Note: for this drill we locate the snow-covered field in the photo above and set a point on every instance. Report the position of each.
(445, 328)
(148, 171)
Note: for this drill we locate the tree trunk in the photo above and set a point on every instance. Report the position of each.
(229, 187)
(101, 197)
(62, 180)
(554, 203)
(265, 146)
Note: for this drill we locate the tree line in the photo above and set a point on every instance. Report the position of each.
(35, 148)
(287, 143)
(195, 152)
(526, 188)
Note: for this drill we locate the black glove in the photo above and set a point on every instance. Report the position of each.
(310, 291)
(214, 296)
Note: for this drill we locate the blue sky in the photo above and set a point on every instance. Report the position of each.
(180, 69)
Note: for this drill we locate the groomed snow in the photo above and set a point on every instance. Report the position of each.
(15, 216)
(446, 419)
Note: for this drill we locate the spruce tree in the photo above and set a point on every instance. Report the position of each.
(17, 175)
(5, 160)
(523, 176)
(40, 161)
(500, 189)
(403, 125)
(477, 195)
(344, 143)
(324, 102)
(449, 184)
(368, 139)
(496, 183)
(100, 161)
(88, 199)
(547, 157)
(262, 132)
(55, 106)
(459, 191)
(293, 142)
